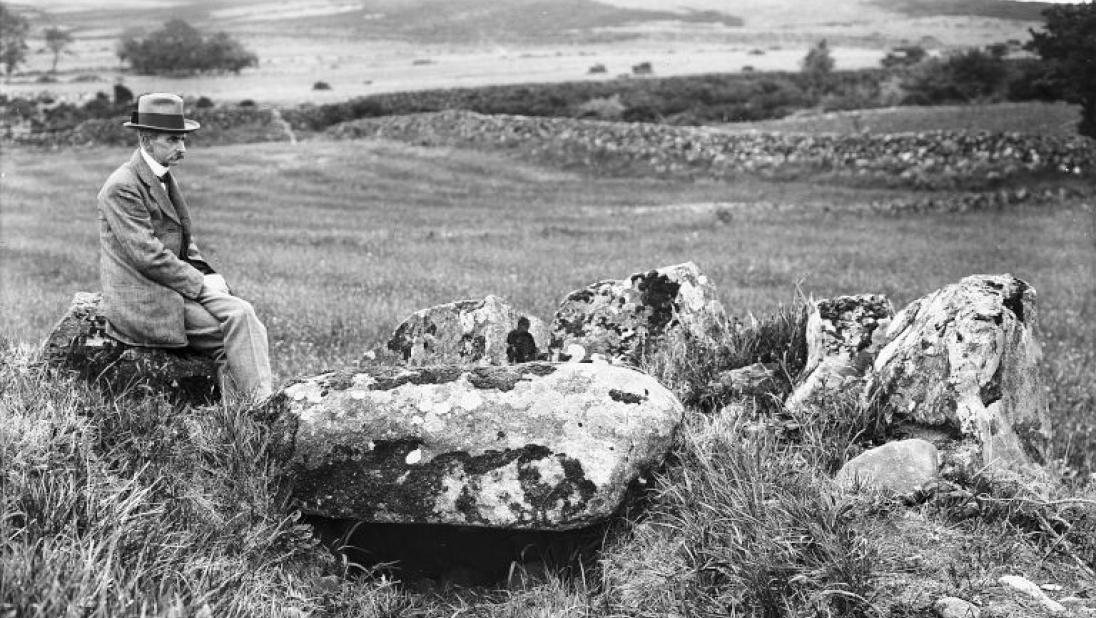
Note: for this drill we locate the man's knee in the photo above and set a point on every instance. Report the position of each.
(243, 314)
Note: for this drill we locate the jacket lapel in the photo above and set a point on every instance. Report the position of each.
(163, 202)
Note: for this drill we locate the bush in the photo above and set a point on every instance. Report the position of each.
(968, 76)
(179, 48)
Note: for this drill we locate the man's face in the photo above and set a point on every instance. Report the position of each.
(167, 148)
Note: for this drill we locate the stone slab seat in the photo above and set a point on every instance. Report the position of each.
(534, 446)
(79, 343)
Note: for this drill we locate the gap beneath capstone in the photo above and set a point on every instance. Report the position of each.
(428, 554)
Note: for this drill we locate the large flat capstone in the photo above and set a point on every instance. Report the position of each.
(79, 343)
(534, 446)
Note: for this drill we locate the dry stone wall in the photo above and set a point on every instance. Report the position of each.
(930, 160)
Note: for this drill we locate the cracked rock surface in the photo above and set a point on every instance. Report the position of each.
(533, 446)
(79, 342)
(624, 318)
(965, 359)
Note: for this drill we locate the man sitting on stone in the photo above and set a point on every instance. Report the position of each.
(158, 291)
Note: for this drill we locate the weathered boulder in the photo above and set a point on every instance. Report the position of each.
(483, 331)
(623, 319)
(843, 336)
(546, 446)
(901, 467)
(79, 342)
(965, 359)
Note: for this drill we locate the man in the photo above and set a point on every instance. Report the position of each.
(157, 289)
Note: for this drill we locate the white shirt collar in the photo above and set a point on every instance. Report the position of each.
(157, 169)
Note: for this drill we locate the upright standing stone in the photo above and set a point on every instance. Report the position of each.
(843, 336)
(470, 331)
(79, 342)
(623, 319)
(532, 446)
(965, 358)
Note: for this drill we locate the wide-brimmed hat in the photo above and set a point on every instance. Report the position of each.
(161, 111)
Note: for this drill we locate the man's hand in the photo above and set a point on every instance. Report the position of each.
(215, 283)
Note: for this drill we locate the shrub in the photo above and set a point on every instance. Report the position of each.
(178, 48)
(604, 108)
(967, 76)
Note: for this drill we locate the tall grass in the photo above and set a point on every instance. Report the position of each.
(743, 526)
(132, 507)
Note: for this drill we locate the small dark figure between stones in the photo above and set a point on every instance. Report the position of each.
(520, 345)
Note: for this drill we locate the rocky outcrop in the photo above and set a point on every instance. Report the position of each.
(843, 336)
(900, 467)
(533, 446)
(627, 318)
(487, 331)
(964, 359)
(79, 343)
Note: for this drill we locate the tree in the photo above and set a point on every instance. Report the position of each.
(57, 40)
(818, 61)
(13, 38)
(180, 48)
(960, 77)
(1068, 46)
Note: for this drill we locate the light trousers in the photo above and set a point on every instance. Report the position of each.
(227, 327)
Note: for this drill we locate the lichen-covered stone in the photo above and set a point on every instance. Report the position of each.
(843, 336)
(965, 358)
(469, 331)
(531, 446)
(623, 319)
(79, 342)
(901, 467)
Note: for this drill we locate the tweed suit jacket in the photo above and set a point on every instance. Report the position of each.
(142, 234)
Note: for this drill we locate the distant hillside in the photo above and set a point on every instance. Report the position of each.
(997, 9)
(426, 21)
(507, 21)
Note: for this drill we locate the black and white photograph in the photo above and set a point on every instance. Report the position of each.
(547, 309)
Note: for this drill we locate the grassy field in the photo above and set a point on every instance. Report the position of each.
(335, 242)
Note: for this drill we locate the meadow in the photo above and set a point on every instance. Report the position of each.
(336, 242)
